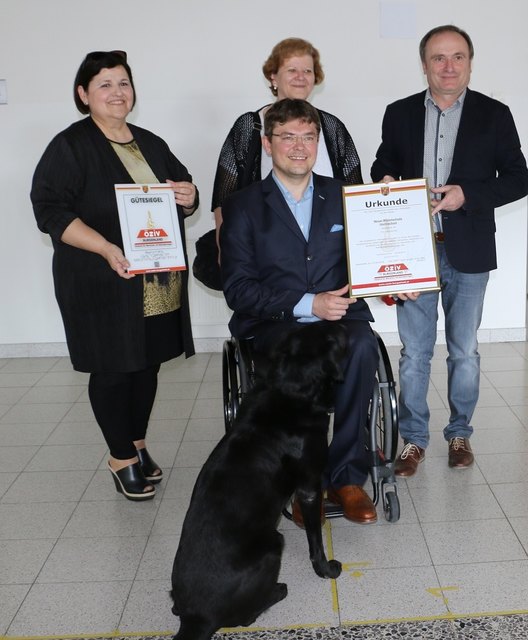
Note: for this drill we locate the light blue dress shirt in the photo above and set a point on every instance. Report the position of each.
(302, 212)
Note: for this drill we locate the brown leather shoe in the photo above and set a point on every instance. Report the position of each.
(407, 462)
(297, 515)
(460, 454)
(356, 503)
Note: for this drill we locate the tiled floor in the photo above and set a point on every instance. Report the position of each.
(76, 558)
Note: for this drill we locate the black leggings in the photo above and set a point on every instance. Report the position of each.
(122, 403)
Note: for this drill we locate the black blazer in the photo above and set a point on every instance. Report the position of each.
(102, 313)
(487, 163)
(267, 265)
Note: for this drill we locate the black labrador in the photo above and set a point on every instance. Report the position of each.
(227, 564)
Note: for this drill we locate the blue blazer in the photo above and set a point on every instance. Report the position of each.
(267, 265)
(487, 163)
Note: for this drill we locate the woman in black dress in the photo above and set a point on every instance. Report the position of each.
(119, 327)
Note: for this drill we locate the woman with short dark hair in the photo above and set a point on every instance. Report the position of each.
(119, 327)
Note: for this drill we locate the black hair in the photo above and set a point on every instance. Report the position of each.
(92, 64)
(287, 110)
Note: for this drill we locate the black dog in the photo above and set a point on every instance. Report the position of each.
(227, 564)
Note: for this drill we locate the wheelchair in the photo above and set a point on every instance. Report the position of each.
(240, 366)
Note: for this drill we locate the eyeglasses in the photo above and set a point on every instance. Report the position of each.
(97, 55)
(289, 139)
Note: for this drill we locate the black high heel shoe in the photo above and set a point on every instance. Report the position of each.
(131, 482)
(151, 470)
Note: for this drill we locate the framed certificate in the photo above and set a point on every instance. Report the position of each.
(389, 238)
(150, 229)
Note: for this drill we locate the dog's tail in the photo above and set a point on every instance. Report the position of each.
(195, 628)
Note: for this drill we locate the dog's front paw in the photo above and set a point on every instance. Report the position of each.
(334, 568)
(327, 569)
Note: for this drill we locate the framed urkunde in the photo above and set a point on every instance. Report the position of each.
(389, 238)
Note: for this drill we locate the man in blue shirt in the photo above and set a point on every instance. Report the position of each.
(284, 263)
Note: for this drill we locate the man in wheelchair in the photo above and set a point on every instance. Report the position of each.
(283, 263)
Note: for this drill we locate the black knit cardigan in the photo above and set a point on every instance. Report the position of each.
(240, 157)
(102, 313)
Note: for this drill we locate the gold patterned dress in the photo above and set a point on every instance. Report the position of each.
(161, 292)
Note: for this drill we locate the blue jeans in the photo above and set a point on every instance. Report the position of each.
(462, 301)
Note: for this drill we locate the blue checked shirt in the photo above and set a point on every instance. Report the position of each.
(440, 133)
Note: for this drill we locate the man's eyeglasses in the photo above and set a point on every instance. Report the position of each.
(289, 139)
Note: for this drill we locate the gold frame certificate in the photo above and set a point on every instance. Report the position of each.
(150, 228)
(389, 238)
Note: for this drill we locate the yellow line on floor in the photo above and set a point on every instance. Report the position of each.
(330, 554)
(344, 623)
(446, 616)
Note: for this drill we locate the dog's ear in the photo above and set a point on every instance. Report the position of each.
(288, 364)
(337, 331)
(337, 348)
(333, 366)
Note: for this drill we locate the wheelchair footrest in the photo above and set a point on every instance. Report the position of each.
(333, 510)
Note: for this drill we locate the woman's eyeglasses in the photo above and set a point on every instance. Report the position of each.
(97, 55)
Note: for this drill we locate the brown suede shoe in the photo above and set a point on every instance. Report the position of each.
(297, 515)
(407, 462)
(460, 454)
(356, 503)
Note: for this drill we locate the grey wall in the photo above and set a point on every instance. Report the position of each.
(196, 67)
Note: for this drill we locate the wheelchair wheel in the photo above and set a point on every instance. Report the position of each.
(391, 506)
(238, 376)
(382, 436)
(387, 419)
(230, 383)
